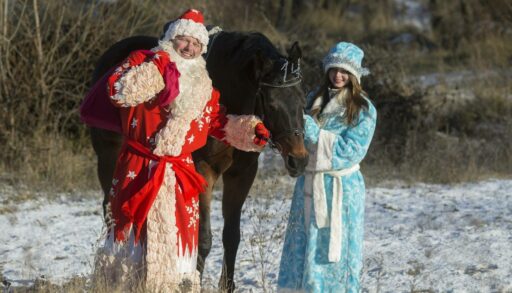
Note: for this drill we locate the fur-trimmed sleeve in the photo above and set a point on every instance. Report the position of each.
(234, 130)
(337, 149)
(138, 79)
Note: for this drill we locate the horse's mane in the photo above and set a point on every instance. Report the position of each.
(242, 46)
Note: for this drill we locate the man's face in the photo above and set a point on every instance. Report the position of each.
(187, 47)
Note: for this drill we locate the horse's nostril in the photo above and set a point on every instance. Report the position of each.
(297, 164)
(292, 162)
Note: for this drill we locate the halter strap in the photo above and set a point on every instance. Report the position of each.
(213, 32)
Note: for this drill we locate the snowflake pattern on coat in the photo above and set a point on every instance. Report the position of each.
(193, 211)
(305, 264)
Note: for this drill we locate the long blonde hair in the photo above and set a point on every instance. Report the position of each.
(354, 101)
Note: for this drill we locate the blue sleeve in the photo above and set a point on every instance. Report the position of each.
(350, 148)
(310, 96)
(349, 145)
(311, 130)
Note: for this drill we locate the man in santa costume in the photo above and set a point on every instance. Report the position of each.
(168, 107)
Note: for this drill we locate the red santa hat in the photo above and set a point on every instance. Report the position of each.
(190, 23)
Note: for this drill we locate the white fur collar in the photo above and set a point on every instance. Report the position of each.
(336, 104)
(195, 91)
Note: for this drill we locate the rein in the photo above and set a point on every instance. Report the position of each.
(273, 139)
(296, 79)
(288, 83)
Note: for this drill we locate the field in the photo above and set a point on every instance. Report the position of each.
(418, 238)
(438, 171)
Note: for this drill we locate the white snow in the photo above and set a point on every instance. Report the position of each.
(448, 238)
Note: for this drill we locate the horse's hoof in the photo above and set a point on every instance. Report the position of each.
(227, 286)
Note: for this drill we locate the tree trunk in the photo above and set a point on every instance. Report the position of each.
(284, 14)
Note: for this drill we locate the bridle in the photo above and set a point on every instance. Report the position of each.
(285, 82)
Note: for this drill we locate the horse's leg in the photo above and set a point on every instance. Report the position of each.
(237, 182)
(205, 231)
(211, 161)
(106, 145)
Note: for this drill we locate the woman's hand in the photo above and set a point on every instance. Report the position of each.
(311, 129)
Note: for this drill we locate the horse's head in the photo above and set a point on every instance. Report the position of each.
(280, 103)
(254, 78)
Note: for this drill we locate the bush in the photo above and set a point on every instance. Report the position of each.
(48, 50)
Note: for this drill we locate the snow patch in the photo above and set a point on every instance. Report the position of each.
(449, 238)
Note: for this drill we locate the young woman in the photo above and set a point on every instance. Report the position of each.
(324, 238)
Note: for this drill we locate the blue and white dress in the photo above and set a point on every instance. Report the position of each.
(324, 238)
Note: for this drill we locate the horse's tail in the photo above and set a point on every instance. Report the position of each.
(119, 51)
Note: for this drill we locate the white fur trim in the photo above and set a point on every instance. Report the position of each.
(187, 27)
(195, 92)
(138, 85)
(341, 61)
(317, 104)
(239, 132)
(337, 103)
(321, 164)
(167, 266)
(186, 262)
(315, 185)
(320, 159)
(348, 67)
(324, 150)
(157, 265)
(334, 254)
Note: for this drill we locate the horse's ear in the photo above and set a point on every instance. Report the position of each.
(259, 66)
(166, 27)
(295, 52)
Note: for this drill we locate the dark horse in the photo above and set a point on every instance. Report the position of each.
(253, 78)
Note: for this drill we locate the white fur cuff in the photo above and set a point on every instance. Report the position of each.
(138, 85)
(239, 132)
(324, 151)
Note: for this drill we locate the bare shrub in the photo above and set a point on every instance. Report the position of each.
(48, 50)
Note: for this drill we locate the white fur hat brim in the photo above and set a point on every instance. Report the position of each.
(187, 27)
(336, 61)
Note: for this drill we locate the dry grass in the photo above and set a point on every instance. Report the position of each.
(461, 134)
(48, 51)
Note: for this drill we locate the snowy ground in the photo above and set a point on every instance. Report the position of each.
(422, 237)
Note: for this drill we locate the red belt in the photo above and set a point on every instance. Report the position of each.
(137, 207)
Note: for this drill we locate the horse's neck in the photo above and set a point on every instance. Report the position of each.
(238, 92)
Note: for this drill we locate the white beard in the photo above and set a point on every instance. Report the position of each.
(195, 91)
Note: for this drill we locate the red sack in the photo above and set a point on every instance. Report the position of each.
(98, 111)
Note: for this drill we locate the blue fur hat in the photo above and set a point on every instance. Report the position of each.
(347, 56)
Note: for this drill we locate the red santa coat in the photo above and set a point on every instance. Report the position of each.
(155, 187)
(135, 167)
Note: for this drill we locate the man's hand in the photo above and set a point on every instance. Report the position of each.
(262, 134)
